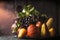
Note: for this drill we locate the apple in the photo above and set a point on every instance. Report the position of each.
(33, 31)
(38, 24)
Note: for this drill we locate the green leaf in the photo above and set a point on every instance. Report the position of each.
(32, 9)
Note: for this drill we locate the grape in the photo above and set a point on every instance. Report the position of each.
(26, 21)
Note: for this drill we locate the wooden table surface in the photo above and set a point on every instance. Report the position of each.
(15, 38)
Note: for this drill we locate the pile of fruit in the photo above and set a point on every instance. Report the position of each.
(32, 24)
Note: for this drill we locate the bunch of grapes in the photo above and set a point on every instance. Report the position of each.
(29, 15)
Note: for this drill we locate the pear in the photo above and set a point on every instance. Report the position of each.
(22, 33)
(44, 30)
(49, 22)
(52, 32)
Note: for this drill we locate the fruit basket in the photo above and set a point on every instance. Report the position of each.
(30, 23)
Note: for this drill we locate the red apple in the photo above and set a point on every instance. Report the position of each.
(38, 24)
(33, 31)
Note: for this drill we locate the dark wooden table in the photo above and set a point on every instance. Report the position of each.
(15, 38)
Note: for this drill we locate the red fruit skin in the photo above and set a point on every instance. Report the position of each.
(38, 24)
(33, 31)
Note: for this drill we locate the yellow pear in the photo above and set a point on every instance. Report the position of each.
(44, 30)
(22, 33)
(49, 22)
(52, 32)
